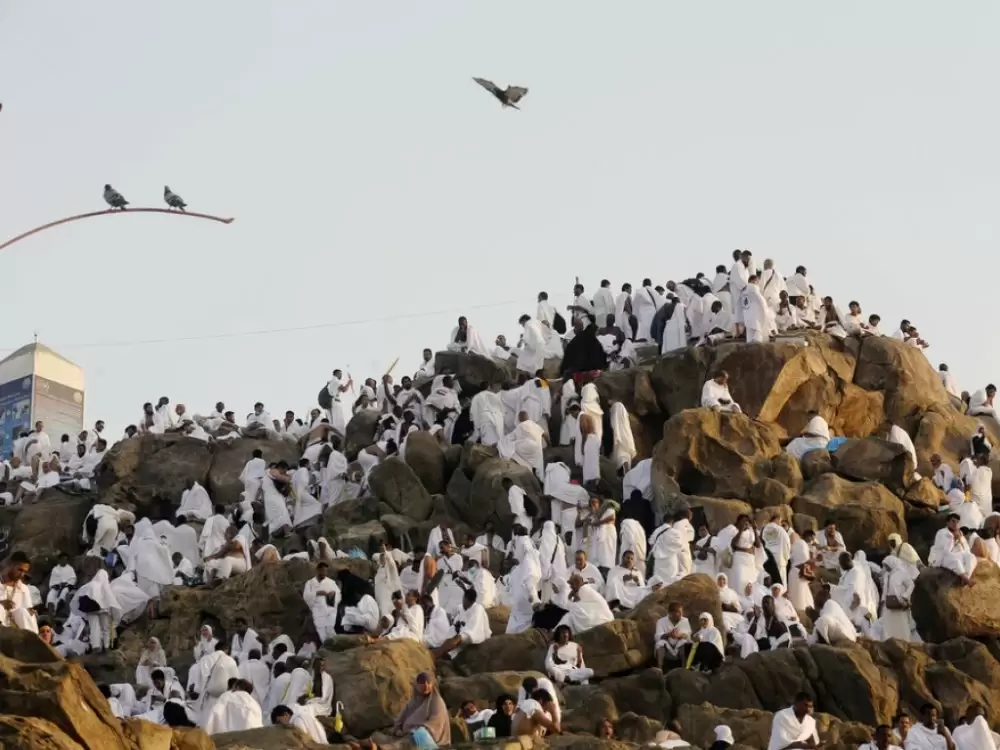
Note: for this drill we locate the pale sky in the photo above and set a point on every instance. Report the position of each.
(379, 193)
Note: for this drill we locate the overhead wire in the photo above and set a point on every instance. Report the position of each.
(272, 331)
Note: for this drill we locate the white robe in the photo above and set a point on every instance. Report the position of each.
(571, 665)
(567, 498)
(627, 593)
(974, 736)
(473, 627)
(675, 331)
(235, 711)
(632, 538)
(779, 544)
(713, 394)
(324, 614)
(487, 413)
(196, 505)
(256, 672)
(588, 611)
(953, 554)
(787, 729)
(524, 581)
(624, 442)
(306, 506)
(525, 445)
(645, 302)
(532, 356)
(756, 317)
(834, 625)
(473, 344)
(603, 541)
(437, 629)
(604, 305)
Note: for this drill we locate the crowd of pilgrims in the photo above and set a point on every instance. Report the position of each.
(563, 572)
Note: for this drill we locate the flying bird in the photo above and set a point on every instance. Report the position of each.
(173, 200)
(113, 198)
(508, 97)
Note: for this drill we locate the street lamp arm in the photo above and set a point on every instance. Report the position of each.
(113, 212)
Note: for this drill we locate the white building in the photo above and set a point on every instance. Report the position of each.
(38, 384)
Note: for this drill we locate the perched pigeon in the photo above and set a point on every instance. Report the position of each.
(508, 97)
(173, 200)
(114, 198)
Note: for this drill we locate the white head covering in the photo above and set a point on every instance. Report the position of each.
(709, 633)
(724, 734)
(817, 427)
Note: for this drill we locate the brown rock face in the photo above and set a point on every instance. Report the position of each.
(378, 681)
(716, 455)
(395, 483)
(360, 432)
(267, 738)
(425, 457)
(488, 499)
(36, 683)
(866, 513)
(152, 471)
(44, 529)
(874, 459)
(943, 609)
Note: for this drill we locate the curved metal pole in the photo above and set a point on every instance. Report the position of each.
(114, 212)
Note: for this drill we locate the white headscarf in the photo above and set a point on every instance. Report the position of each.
(709, 633)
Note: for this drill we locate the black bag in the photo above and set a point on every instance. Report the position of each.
(88, 605)
(559, 324)
(324, 399)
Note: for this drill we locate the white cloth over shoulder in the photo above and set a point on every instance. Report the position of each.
(786, 728)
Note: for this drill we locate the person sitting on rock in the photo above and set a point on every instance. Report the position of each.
(626, 586)
(673, 632)
(715, 394)
(564, 659)
(585, 607)
(815, 436)
(830, 545)
(534, 718)
(298, 717)
(16, 608)
(951, 550)
(830, 624)
(472, 627)
(424, 721)
(706, 651)
(794, 727)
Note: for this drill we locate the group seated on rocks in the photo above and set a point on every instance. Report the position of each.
(574, 560)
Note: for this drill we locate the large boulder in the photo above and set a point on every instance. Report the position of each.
(615, 647)
(377, 680)
(425, 457)
(280, 737)
(752, 727)
(394, 483)
(876, 460)
(360, 432)
(943, 608)
(488, 499)
(696, 593)
(909, 382)
(518, 652)
(229, 458)
(37, 683)
(152, 471)
(44, 529)
(866, 513)
(269, 597)
(472, 370)
(712, 454)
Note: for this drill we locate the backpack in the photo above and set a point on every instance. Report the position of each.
(324, 398)
(559, 324)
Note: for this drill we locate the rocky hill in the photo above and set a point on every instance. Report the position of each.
(725, 464)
